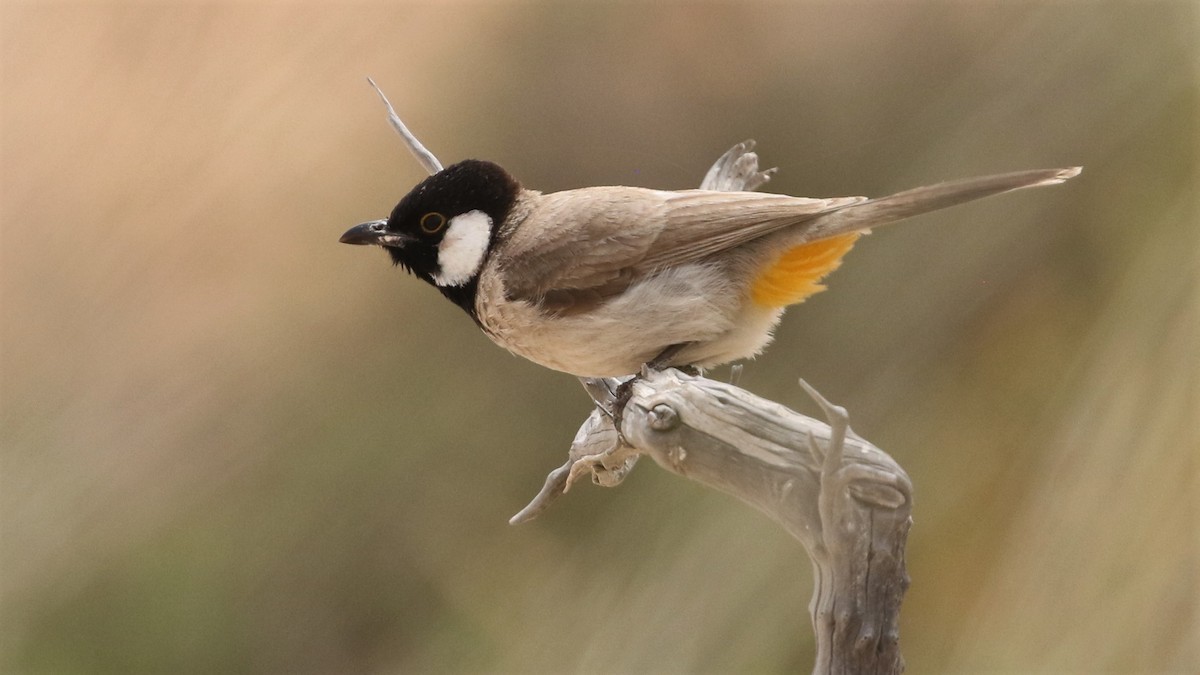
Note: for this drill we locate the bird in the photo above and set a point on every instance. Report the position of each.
(600, 281)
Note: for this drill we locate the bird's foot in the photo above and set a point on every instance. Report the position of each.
(624, 391)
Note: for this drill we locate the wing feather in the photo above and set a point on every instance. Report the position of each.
(568, 258)
(701, 223)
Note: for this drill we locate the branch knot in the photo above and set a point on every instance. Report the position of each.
(663, 417)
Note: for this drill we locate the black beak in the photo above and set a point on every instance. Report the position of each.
(365, 233)
(375, 232)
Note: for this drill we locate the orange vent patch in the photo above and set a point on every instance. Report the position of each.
(798, 272)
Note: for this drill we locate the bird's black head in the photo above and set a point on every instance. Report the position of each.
(443, 230)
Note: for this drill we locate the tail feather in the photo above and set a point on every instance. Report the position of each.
(902, 205)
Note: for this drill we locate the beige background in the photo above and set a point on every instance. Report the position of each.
(232, 445)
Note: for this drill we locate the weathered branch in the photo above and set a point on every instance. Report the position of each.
(848, 502)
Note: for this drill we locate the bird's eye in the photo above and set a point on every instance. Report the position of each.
(432, 222)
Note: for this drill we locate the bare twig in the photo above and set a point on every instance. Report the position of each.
(426, 158)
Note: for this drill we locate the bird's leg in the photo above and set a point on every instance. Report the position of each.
(663, 360)
(625, 390)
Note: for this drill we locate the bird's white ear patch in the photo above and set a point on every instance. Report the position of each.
(461, 253)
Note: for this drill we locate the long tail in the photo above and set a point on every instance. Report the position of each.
(886, 210)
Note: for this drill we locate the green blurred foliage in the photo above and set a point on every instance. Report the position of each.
(232, 445)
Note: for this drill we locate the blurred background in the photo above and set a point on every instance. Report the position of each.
(231, 444)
